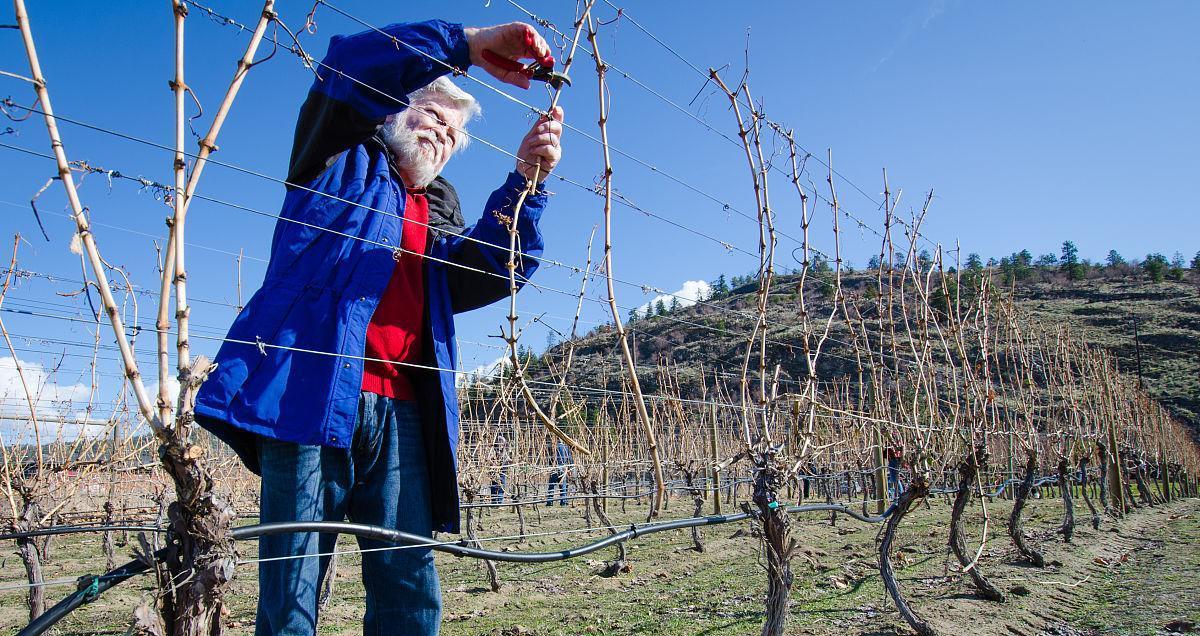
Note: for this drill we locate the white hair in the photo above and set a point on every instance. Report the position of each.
(463, 101)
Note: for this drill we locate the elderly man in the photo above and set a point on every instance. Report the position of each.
(336, 381)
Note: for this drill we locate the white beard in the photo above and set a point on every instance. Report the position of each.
(416, 160)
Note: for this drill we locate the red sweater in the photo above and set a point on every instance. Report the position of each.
(396, 328)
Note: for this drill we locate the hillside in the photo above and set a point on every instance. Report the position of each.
(1167, 319)
(1104, 306)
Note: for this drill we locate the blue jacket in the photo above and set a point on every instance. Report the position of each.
(291, 367)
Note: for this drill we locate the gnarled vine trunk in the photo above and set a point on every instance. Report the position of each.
(689, 477)
(1139, 476)
(1067, 529)
(1104, 477)
(469, 526)
(1014, 522)
(968, 473)
(1083, 488)
(780, 547)
(917, 490)
(619, 565)
(30, 555)
(199, 549)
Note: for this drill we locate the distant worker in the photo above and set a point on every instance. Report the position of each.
(895, 461)
(503, 459)
(558, 476)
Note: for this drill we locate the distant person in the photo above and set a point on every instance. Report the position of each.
(503, 459)
(895, 462)
(558, 476)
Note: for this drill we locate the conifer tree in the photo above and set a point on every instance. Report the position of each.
(1070, 261)
(720, 287)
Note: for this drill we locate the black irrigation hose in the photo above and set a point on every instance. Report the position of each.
(57, 530)
(91, 586)
(1000, 490)
(674, 487)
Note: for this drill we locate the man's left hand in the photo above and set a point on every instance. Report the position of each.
(541, 147)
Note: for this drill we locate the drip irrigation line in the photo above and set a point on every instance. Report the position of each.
(91, 587)
(77, 529)
(99, 527)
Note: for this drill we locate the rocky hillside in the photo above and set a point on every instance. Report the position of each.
(1105, 304)
(1164, 317)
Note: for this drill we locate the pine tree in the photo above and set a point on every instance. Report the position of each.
(1155, 266)
(1115, 259)
(1070, 261)
(674, 304)
(1177, 265)
(720, 287)
(660, 308)
(974, 263)
(924, 260)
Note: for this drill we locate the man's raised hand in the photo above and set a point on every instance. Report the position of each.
(541, 147)
(514, 41)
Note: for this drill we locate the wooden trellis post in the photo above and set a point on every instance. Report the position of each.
(880, 472)
(1116, 481)
(715, 458)
(604, 469)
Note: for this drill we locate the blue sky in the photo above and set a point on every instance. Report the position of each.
(1033, 122)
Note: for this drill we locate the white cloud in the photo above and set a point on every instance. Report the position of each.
(50, 397)
(172, 390)
(59, 407)
(927, 16)
(687, 295)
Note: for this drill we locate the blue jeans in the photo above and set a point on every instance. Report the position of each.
(558, 482)
(380, 480)
(895, 486)
(499, 486)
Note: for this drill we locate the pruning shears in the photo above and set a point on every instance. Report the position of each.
(541, 70)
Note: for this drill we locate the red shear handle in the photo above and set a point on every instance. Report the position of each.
(507, 64)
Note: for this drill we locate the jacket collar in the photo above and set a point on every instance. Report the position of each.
(445, 211)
